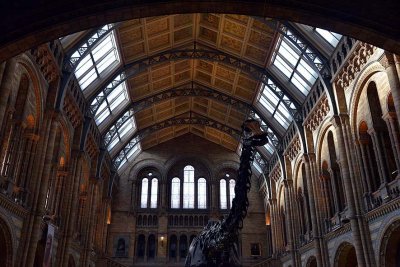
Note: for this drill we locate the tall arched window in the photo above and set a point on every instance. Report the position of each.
(188, 187)
(154, 193)
(144, 193)
(222, 194)
(232, 184)
(175, 193)
(202, 193)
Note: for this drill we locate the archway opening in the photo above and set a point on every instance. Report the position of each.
(6, 250)
(312, 262)
(346, 256)
(391, 248)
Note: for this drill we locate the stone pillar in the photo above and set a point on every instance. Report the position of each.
(6, 86)
(70, 204)
(274, 232)
(362, 145)
(290, 220)
(391, 123)
(163, 196)
(214, 198)
(379, 154)
(392, 67)
(313, 208)
(42, 184)
(349, 192)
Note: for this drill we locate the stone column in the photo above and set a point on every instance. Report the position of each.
(392, 67)
(362, 146)
(70, 204)
(349, 192)
(274, 226)
(42, 184)
(391, 123)
(313, 208)
(379, 154)
(214, 198)
(6, 86)
(291, 233)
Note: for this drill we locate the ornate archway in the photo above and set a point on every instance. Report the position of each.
(346, 256)
(311, 262)
(389, 253)
(6, 247)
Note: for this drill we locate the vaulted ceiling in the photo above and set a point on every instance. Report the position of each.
(192, 73)
(241, 36)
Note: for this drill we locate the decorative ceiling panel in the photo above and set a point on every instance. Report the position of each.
(239, 36)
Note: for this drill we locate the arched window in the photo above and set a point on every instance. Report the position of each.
(154, 193)
(175, 193)
(202, 193)
(188, 187)
(232, 184)
(222, 194)
(144, 193)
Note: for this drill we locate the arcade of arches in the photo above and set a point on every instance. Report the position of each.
(119, 143)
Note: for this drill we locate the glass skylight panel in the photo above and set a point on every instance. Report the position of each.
(104, 54)
(122, 163)
(108, 104)
(257, 166)
(132, 151)
(292, 64)
(123, 126)
(269, 147)
(127, 152)
(331, 37)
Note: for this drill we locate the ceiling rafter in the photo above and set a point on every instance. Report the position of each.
(258, 73)
(190, 89)
(180, 120)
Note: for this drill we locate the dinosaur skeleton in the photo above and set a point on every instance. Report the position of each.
(217, 244)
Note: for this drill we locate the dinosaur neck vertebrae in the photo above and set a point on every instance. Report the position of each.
(217, 244)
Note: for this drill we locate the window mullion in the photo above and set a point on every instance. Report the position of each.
(94, 64)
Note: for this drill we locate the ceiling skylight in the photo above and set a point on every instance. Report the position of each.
(124, 125)
(130, 151)
(275, 107)
(294, 65)
(331, 37)
(104, 104)
(103, 55)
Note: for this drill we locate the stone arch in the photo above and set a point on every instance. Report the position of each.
(311, 262)
(66, 137)
(389, 251)
(6, 244)
(147, 163)
(222, 166)
(360, 82)
(71, 261)
(189, 159)
(345, 256)
(318, 14)
(31, 71)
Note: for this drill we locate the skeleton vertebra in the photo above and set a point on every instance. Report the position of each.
(217, 244)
